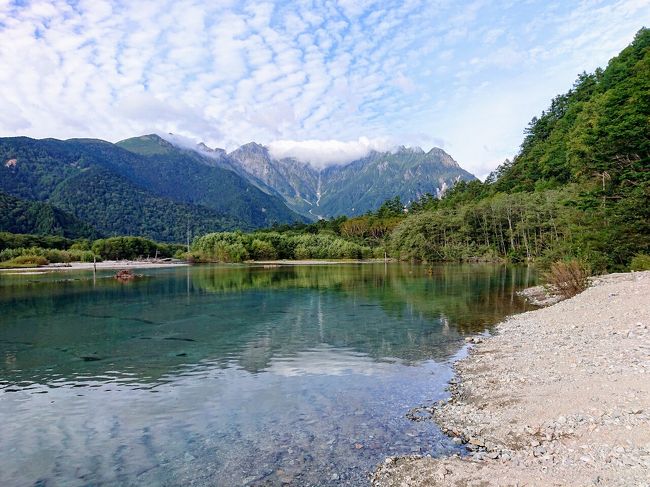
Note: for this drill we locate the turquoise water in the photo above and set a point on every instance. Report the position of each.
(232, 375)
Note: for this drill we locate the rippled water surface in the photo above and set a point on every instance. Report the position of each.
(225, 375)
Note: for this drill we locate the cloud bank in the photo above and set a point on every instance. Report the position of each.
(322, 153)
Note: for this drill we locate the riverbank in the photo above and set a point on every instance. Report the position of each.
(106, 264)
(153, 264)
(559, 396)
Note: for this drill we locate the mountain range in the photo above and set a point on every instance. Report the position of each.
(354, 188)
(152, 187)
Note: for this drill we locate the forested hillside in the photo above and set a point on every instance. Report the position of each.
(119, 191)
(115, 206)
(580, 185)
(189, 176)
(22, 216)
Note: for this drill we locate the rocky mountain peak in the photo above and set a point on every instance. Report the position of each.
(443, 158)
(216, 152)
(252, 148)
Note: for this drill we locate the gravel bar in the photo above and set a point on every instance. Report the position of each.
(558, 396)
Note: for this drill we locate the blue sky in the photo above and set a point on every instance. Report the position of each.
(324, 81)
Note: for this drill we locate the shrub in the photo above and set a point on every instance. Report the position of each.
(31, 259)
(568, 278)
(82, 256)
(640, 262)
(261, 250)
(302, 252)
(117, 248)
(26, 261)
(81, 245)
(237, 247)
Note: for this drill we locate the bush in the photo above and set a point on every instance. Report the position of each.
(237, 247)
(234, 252)
(52, 255)
(82, 256)
(81, 245)
(26, 261)
(568, 278)
(261, 250)
(118, 248)
(640, 262)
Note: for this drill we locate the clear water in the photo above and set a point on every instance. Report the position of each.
(232, 375)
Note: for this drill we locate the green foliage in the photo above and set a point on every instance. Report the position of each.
(118, 248)
(370, 228)
(51, 255)
(12, 241)
(518, 226)
(238, 247)
(391, 208)
(24, 261)
(263, 250)
(640, 262)
(116, 206)
(58, 249)
(31, 217)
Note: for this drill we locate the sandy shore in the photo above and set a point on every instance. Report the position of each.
(559, 396)
(107, 264)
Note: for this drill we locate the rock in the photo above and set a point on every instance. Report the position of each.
(539, 451)
(442, 472)
(476, 441)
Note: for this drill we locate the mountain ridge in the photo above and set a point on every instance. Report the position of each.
(407, 172)
(153, 175)
(151, 186)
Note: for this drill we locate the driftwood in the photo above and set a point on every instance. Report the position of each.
(126, 275)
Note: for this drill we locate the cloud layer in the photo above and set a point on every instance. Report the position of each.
(321, 153)
(464, 75)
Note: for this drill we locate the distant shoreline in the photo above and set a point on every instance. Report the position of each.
(145, 264)
(88, 266)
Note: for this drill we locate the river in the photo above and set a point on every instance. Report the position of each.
(233, 375)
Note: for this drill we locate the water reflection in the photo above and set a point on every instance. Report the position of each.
(239, 374)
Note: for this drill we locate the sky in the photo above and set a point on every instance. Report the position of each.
(324, 81)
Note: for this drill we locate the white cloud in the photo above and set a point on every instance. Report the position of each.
(321, 153)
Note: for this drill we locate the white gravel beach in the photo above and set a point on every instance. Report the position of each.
(558, 396)
(107, 264)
